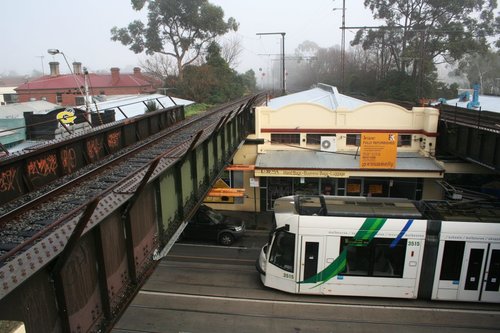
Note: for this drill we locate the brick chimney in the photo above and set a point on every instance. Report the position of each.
(137, 72)
(77, 68)
(115, 75)
(54, 68)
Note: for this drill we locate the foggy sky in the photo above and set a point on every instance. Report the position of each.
(81, 29)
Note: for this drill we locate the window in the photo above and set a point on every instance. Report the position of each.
(283, 251)
(10, 98)
(79, 100)
(285, 138)
(315, 139)
(59, 98)
(353, 140)
(354, 186)
(452, 260)
(378, 258)
(404, 140)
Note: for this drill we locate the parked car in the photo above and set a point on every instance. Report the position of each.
(208, 224)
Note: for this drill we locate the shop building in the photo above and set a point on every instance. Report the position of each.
(318, 142)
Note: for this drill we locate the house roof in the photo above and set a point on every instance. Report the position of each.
(325, 95)
(96, 81)
(17, 110)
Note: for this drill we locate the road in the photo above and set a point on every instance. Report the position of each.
(208, 288)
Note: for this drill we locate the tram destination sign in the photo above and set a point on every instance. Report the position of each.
(378, 150)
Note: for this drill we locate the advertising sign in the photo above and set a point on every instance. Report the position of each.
(378, 150)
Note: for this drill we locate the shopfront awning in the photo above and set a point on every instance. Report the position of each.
(341, 165)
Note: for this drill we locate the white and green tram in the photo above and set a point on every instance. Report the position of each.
(384, 247)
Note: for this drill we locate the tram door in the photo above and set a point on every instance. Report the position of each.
(471, 276)
(310, 263)
(491, 284)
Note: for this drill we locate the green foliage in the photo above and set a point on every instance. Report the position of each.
(482, 68)
(176, 28)
(214, 82)
(151, 106)
(421, 33)
(196, 108)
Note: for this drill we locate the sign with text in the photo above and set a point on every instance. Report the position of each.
(378, 150)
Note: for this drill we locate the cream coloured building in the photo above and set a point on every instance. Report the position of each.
(318, 141)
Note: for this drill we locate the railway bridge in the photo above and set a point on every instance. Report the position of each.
(102, 208)
(473, 135)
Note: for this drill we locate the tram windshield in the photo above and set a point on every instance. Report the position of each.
(283, 250)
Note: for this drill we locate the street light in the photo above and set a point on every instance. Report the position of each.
(283, 82)
(56, 51)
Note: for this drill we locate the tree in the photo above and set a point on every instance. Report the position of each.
(231, 50)
(422, 33)
(176, 28)
(159, 66)
(483, 69)
(214, 82)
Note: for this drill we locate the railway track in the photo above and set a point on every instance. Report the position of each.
(28, 220)
(485, 120)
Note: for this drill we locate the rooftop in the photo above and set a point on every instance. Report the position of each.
(17, 110)
(486, 103)
(323, 94)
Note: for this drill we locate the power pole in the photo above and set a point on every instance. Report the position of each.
(41, 60)
(342, 51)
(283, 73)
(342, 46)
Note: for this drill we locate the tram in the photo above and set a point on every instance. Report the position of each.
(384, 247)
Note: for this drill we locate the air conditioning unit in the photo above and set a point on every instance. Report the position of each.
(328, 143)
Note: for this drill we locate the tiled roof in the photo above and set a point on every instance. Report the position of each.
(69, 81)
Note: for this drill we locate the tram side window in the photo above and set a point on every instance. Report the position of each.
(379, 258)
(452, 260)
(282, 252)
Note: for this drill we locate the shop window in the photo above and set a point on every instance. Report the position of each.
(285, 138)
(278, 187)
(404, 140)
(378, 258)
(353, 140)
(306, 186)
(354, 187)
(376, 187)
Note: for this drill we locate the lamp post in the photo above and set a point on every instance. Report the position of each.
(283, 80)
(84, 95)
